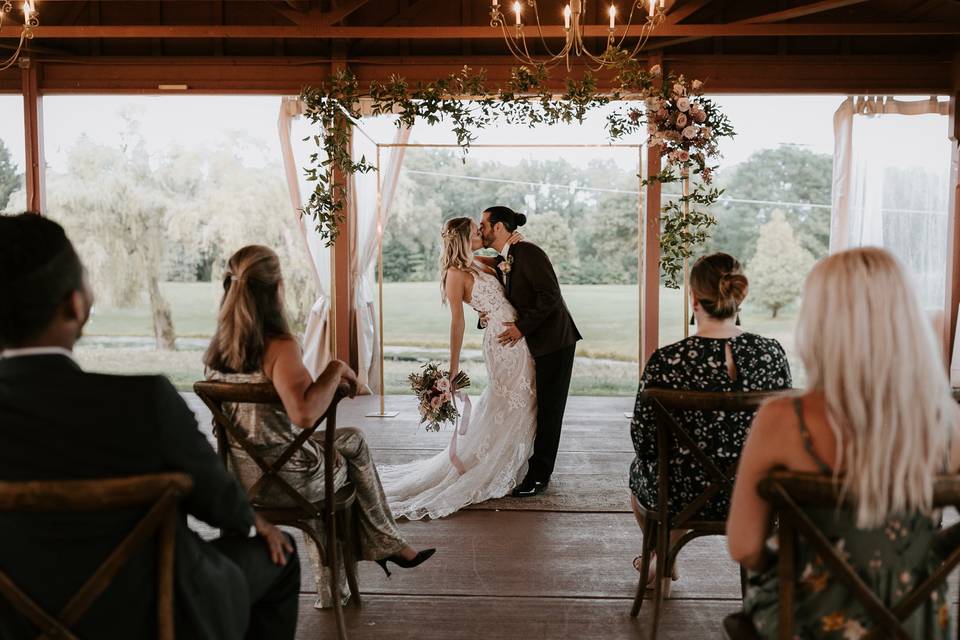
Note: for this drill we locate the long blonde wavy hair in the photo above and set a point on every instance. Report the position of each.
(251, 311)
(456, 252)
(870, 349)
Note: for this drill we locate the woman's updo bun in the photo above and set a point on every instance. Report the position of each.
(510, 218)
(719, 285)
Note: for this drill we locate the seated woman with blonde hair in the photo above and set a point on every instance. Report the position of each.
(252, 344)
(878, 413)
(719, 357)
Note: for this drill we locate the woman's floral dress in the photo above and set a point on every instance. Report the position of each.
(699, 364)
(891, 559)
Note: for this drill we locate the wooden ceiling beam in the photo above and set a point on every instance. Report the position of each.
(481, 32)
(686, 10)
(337, 15)
(800, 12)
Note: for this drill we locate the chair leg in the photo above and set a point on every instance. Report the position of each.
(663, 558)
(649, 535)
(350, 554)
(743, 583)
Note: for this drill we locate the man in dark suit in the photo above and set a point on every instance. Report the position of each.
(59, 422)
(543, 319)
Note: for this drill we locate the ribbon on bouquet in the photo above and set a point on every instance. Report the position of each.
(461, 430)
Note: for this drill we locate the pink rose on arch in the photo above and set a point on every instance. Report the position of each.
(690, 132)
(662, 114)
(655, 70)
(699, 115)
(681, 120)
(679, 89)
(683, 104)
(696, 85)
(683, 155)
(707, 132)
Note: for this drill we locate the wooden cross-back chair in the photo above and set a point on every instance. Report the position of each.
(338, 514)
(658, 523)
(159, 493)
(791, 494)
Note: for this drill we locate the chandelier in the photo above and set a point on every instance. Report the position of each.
(31, 20)
(648, 14)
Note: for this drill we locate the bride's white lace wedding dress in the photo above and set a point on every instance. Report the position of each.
(493, 451)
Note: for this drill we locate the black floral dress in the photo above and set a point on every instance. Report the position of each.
(699, 364)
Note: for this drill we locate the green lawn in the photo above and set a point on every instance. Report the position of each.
(413, 317)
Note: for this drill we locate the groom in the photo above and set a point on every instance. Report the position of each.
(542, 318)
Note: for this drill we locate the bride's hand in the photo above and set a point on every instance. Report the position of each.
(515, 237)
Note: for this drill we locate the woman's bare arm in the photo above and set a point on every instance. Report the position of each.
(305, 400)
(454, 289)
(748, 524)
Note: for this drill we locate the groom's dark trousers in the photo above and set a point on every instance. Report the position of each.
(60, 422)
(543, 319)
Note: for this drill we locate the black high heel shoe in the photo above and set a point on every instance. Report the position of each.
(400, 561)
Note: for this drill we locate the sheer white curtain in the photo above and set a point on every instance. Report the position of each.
(363, 213)
(316, 338)
(891, 177)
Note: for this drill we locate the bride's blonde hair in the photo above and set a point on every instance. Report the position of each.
(456, 252)
(870, 349)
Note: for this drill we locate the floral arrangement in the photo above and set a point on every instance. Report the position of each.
(680, 120)
(435, 391)
(686, 127)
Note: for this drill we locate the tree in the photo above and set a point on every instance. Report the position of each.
(768, 177)
(10, 180)
(779, 266)
(550, 232)
(116, 213)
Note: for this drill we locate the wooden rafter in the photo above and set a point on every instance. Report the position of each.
(800, 12)
(899, 29)
(337, 15)
(312, 18)
(684, 11)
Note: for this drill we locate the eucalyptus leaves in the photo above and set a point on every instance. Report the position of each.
(468, 104)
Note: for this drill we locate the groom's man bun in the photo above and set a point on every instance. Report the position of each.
(510, 218)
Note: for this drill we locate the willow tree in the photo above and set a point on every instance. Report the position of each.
(116, 210)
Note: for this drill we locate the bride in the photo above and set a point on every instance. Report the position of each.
(489, 457)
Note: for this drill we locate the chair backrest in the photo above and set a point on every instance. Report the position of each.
(666, 404)
(159, 493)
(215, 394)
(792, 493)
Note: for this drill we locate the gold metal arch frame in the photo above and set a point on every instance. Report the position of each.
(641, 229)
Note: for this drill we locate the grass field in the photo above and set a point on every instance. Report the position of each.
(607, 316)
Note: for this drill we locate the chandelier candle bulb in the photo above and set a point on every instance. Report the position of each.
(516, 9)
(653, 6)
(26, 11)
(566, 17)
(613, 16)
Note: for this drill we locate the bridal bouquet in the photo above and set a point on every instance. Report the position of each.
(435, 391)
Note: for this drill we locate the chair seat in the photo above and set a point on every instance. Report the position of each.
(343, 499)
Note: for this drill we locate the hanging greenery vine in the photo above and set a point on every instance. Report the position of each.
(679, 120)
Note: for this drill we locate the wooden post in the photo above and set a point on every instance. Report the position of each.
(33, 135)
(952, 289)
(341, 293)
(650, 236)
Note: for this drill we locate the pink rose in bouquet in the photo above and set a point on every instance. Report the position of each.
(435, 391)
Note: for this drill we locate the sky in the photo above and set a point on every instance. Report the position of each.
(760, 121)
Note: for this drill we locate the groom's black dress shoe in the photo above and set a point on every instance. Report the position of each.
(529, 488)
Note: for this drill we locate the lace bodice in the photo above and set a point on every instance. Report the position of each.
(488, 297)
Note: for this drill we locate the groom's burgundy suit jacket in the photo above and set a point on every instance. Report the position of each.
(533, 290)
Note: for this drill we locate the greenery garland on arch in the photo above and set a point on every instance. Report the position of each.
(686, 126)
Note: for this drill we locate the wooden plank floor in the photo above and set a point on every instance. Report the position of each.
(557, 567)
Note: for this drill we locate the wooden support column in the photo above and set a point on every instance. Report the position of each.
(33, 135)
(650, 250)
(342, 294)
(952, 290)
